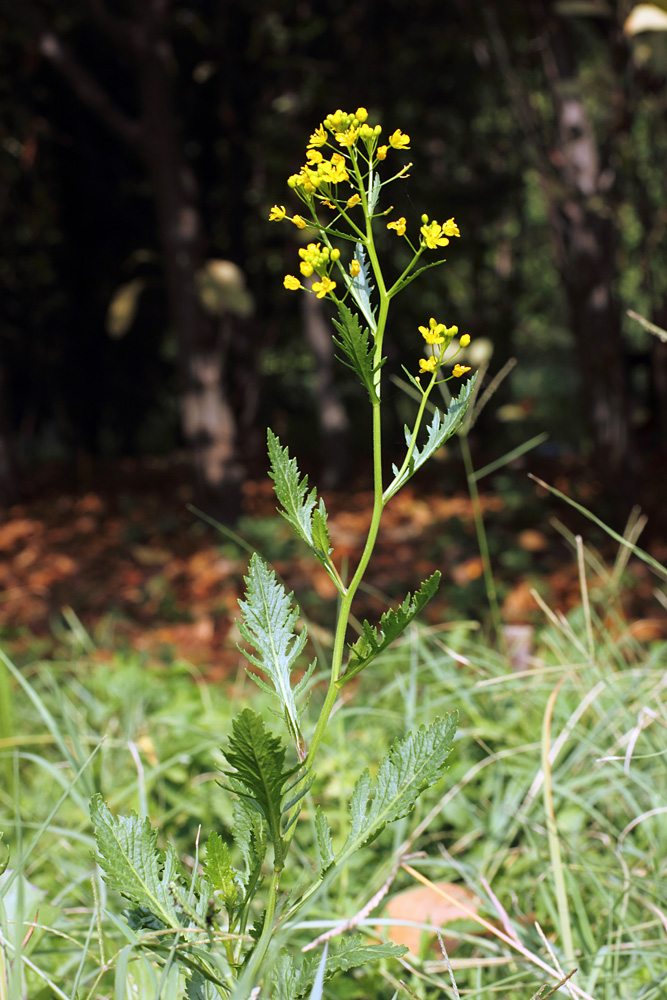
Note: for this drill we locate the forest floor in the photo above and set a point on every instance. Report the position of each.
(129, 560)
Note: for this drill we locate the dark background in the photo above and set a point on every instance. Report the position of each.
(141, 139)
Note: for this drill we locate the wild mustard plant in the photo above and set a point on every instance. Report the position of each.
(224, 922)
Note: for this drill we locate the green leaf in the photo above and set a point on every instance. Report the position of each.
(250, 838)
(362, 287)
(355, 344)
(441, 429)
(220, 872)
(400, 285)
(258, 759)
(323, 834)
(411, 765)
(131, 862)
(292, 981)
(321, 540)
(307, 516)
(268, 624)
(291, 491)
(198, 988)
(373, 641)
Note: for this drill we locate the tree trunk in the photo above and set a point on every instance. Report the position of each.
(585, 236)
(208, 422)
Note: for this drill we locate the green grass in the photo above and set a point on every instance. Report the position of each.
(567, 860)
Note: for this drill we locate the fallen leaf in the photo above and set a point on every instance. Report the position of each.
(424, 905)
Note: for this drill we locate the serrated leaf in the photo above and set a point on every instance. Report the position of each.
(373, 641)
(291, 490)
(193, 906)
(320, 528)
(198, 988)
(131, 862)
(220, 872)
(324, 845)
(362, 287)
(268, 624)
(442, 427)
(411, 765)
(374, 194)
(355, 344)
(291, 981)
(258, 758)
(299, 507)
(249, 837)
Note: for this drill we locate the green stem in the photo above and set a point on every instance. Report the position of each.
(378, 501)
(395, 483)
(262, 946)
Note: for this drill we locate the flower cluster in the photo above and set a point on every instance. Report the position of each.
(344, 150)
(434, 235)
(315, 259)
(437, 334)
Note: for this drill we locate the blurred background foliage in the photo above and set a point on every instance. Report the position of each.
(144, 141)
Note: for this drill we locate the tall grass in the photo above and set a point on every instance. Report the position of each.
(554, 815)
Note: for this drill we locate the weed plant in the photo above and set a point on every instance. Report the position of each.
(219, 926)
(553, 817)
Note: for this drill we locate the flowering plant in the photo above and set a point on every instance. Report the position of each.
(223, 924)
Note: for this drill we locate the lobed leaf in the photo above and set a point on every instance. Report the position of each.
(362, 287)
(132, 864)
(411, 765)
(292, 981)
(350, 953)
(291, 490)
(250, 838)
(324, 845)
(355, 344)
(301, 509)
(373, 641)
(268, 624)
(219, 871)
(258, 758)
(442, 427)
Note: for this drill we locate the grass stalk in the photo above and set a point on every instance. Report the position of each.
(552, 832)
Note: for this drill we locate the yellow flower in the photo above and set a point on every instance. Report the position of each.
(348, 137)
(361, 114)
(355, 268)
(459, 370)
(399, 140)
(399, 225)
(319, 136)
(432, 333)
(433, 235)
(290, 282)
(323, 287)
(326, 202)
(277, 213)
(314, 156)
(450, 228)
(427, 365)
(306, 269)
(299, 222)
(382, 152)
(465, 340)
(354, 200)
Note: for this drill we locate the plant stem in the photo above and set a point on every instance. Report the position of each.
(251, 973)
